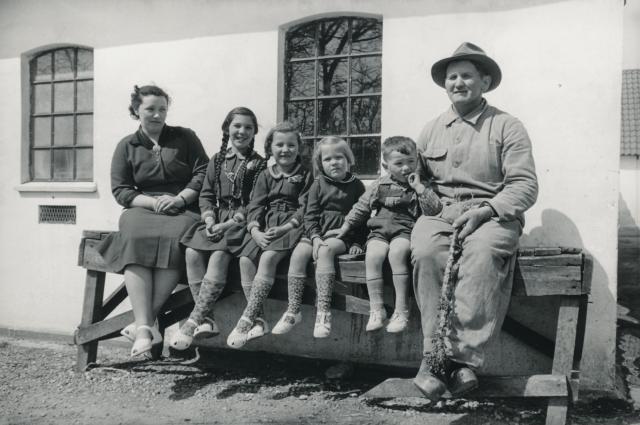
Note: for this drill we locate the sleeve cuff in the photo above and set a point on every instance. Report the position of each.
(294, 222)
(239, 218)
(252, 225)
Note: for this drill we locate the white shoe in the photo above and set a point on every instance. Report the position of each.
(376, 320)
(207, 329)
(322, 328)
(129, 332)
(398, 322)
(238, 338)
(260, 328)
(286, 323)
(142, 345)
(182, 340)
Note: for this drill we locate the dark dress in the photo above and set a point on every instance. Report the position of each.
(144, 237)
(328, 203)
(277, 199)
(225, 200)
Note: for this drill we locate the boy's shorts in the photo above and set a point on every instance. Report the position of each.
(387, 230)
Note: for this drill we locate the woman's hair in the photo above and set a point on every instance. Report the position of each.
(283, 127)
(140, 92)
(240, 110)
(341, 145)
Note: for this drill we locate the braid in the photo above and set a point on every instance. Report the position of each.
(220, 158)
(262, 165)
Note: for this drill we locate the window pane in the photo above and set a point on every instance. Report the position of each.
(366, 75)
(85, 96)
(63, 97)
(41, 70)
(367, 155)
(332, 116)
(63, 131)
(366, 36)
(302, 115)
(42, 98)
(301, 42)
(63, 164)
(42, 131)
(42, 164)
(84, 135)
(85, 63)
(333, 38)
(300, 80)
(365, 115)
(63, 64)
(84, 164)
(332, 77)
(307, 152)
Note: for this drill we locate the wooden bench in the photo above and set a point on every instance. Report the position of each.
(559, 273)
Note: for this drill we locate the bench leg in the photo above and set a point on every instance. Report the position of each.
(563, 355)
(91, 313)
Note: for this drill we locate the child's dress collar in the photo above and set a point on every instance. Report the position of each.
(280, 174)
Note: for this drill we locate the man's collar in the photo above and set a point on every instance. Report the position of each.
(472, 117)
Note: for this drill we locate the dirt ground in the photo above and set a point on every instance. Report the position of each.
(38, 385)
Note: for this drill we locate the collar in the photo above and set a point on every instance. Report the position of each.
(140, 138)
(350, 177)
(231, 152)
(387, 179)
(279, 174)
(472, 117)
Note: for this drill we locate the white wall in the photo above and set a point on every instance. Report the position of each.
(561, 62)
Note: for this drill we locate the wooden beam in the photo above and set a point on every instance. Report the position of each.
(113, 300)
(93, 293)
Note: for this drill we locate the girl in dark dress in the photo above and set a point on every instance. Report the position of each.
(330, 198)
(156, 175)
(212, 243)
(275, 217)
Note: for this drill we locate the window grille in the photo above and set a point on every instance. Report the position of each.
(333, 85)
(61, 120)
(57, 214)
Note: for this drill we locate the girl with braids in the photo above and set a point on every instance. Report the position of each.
(275, 216)
(212, 243)
(331, 197)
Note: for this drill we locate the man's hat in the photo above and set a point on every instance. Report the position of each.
(470, 52)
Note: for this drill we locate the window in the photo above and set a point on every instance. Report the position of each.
(61, 119)
(333, 84)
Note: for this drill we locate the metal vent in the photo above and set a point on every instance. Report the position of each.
(58, 214)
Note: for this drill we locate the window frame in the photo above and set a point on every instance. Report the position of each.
(284, 60)
(28, 180)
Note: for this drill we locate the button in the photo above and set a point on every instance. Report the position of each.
(456, 164)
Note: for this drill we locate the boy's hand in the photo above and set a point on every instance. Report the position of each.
(416, 184)
(355, 250)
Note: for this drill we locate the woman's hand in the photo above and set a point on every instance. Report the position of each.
(317, 243)
(169, 205)
(260, 237)
(355, 250)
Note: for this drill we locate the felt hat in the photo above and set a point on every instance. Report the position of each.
(470, 52)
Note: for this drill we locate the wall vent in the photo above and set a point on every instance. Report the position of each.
(57, 214)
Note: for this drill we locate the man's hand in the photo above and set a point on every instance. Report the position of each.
(471, 220)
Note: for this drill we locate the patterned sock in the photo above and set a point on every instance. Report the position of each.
(401, 286)
(246, 289)
(194, 287)
(324, 283)
(209, 293)
(259, 293)
(375, 289)
(296, 289)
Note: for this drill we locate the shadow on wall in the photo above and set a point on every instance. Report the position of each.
(628, 263)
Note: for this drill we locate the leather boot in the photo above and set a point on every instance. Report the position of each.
(462, 380)
(428, 383)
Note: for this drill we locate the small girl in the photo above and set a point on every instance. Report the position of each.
(331, 196)
(275, 216)
(397, 200)
(213, 242)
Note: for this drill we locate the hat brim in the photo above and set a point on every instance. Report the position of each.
(439, 69)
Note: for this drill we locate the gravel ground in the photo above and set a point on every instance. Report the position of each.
(38, 385)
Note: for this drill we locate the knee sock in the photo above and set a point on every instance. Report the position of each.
(375, 289)
(246, 289)
(207, 297)
(324, 284)
(295, 289)
(194, 287)
(401, 286)
(259, 293)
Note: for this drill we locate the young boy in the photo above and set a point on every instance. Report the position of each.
(390, 206)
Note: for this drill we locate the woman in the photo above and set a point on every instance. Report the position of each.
(156, 175)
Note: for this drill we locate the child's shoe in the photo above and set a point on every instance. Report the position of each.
(398, 322)
(376, 320)
(260, 328)
(182, 339)
(286, 323)
(240, 334)
(207, 329)
(322, 328)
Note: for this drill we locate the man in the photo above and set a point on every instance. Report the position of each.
(480, 163)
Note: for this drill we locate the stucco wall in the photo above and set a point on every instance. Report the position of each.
(567, 94)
